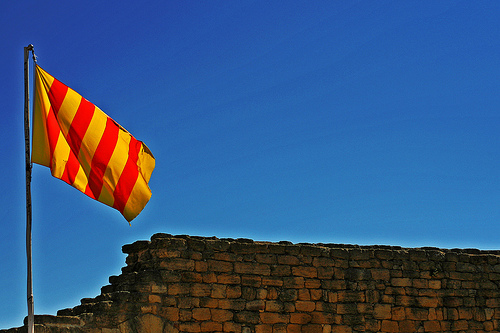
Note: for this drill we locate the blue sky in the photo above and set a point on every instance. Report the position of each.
(360, 122)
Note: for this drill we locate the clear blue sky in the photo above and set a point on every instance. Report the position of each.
(361, 122)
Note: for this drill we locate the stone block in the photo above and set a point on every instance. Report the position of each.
(190, 327)
(300, 318)
(264, 328)
(251, 280)
(210, 326)
(247, 317)
(312, 328)
(233, 292)
(306, 272)
(390, 326)
(382, 311)
(220, 266)
(293, 282)
(220, 315)
(274, 317)
(256, 305)
(305, 306)
(201, 314)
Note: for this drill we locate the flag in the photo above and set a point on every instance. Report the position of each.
(87, 149)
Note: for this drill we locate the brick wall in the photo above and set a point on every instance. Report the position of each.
(195, 284)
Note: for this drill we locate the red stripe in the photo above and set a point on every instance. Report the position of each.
(56, 94)
(128, 177)
(71, 169)
(53, 131)
(102, 156)
(79, 125)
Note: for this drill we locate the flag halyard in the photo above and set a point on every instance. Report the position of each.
(87, 149)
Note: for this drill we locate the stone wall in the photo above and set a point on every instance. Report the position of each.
(195, 284)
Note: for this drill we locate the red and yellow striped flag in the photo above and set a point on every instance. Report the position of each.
(87, 149)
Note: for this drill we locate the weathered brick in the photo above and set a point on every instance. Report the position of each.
(251, 280)
(432, 326)
(273, 317)
(323, 261)
(200, 266)
(348, 296)
(408, 326)
(209, 277)
(178, 264)
(316, 294)
(312, 328)
(305, 306)
(465, 313)
(201, 314)
(200, 290)
(459, 325)
(325, 318)
(220, 315)
(417, 314)
(272, 281)
(263, 328)
(427, 302)
(231, 304)
(288, 260)
(347, 308)
(306, 272)
(304, 295)
(390, 326)
(398, 313)
(300, 318)
(228, 279)
(380, 274)
(267, 258)
(220, 266)
(225, 256)
(179, 289)
(382, 311)
(341, 329)
(231, 327)
(185, 314)
(293, 282)
(218, 291)
(154, 299)
(207, 302)
(401, 282)
(281, 270)
(288, 295)
(452, 302)
(233, 291)
(256, 305)
(189, 327)
(325, 272)
(274, 306)
(210, 326)
(188, 302)
(170, 313)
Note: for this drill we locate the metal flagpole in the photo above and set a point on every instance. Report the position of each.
(31, 315)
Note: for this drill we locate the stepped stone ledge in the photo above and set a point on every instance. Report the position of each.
(182, 283)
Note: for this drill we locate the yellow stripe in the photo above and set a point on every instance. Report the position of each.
(139, 197)
(91, 139)
(115, 168)
(68, 109)
(41, 149)
(146, 163)
(81, 180)
(60, 157)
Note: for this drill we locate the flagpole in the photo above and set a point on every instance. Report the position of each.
(31, 315)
